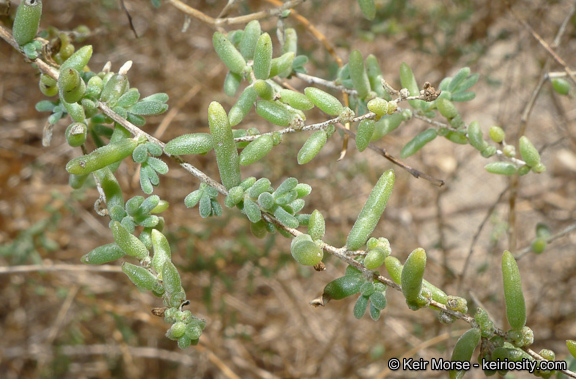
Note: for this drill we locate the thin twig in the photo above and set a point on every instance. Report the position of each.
(545, 75)
(217, 22)
(475, 239)
(546, 47)
(414, 172)
(326, 83)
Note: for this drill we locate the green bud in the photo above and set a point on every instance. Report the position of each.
(264, 89)
(488, 151)
(326, 102)
(140, 154)
(228, 53)
(235, 196)
(539, 168)
(141, 277)
(446, 108)
(90, 108)
(375, 258)
(412, 275)
(286, 218)
(48, 86)
(528, 152)
(463, 96)
(261, 185)
(538, 245)
(266, 200)
(409, 82)
(306, 252)
(418, 142)
(258, 229)
(515, 305)
(162, 252)
(456, 137)
(161, 97)
(378, 299)
(148, 108)
(256, 150)
(484, 322)
(501, 168)
(466, 83)
(129, 243)
(457, 304)
(26, 21)
(475, 136)
(385, 125)
(460, 76)
(303, 190)
(571, 344)
(374, 312)
(286, 186)
(252, 210)
(194, 330)
(196, 143)
(371, 212)
(171, 278)
(116, 86)
(103, 254)
(274, 112)
(232, 83)
(76, 134)
(295, 100)
(224, 146)
(375, 76)
(250, 39)
(312, 146)
(394, 268)
(368, 9)
(497, 134)
(243, 105)
(263, 57)
(77, 181)
(71, 85)
(464, 349)
(79, 59)
(102, 157)
(358, 74)
(561, 86)
(509, 151)
(282, 66)
(290, 41)
(286, 198)
(364, 134)
(378, 106)
(360, 307)
(111, 188)
(342, 287)
(129, 98)
(316, 225)
(176, 331)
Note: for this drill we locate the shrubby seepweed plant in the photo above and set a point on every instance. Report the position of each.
(103, 109)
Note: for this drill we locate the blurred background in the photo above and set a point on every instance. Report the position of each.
(77, 322)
